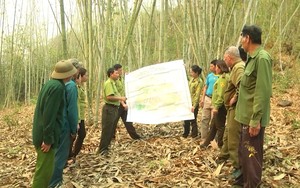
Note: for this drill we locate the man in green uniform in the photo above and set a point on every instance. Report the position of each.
(112, 99)
(48, 122)
(123, 107)
(231, 137)
(253, 106)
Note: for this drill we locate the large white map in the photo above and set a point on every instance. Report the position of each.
(158, 94)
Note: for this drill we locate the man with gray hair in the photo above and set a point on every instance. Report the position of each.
(232, 129)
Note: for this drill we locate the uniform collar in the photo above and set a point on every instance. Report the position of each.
(236, 62)
(112, 80)
(254, 54)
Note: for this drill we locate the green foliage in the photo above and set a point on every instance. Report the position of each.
(158, 164)
(295, 124)
(33, 100)
(283, 80)
(14, 150)
(10, 121)
(10, 118)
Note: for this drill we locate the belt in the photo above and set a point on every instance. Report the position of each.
(208, 96)
(112, 105)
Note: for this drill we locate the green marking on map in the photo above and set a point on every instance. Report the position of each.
(140, 106)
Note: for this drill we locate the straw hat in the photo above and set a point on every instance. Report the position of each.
(63, 69)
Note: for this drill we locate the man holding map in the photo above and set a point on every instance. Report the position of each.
(122, 112)
(112, 99)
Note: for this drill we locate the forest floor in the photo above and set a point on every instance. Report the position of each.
(162, 158)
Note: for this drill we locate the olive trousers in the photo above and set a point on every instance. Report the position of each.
(231, 139)
(43, 169)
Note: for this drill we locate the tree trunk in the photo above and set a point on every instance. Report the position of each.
(107, 22)
(90, 62)
(136, 10)
(10, 95)
(161, 57)
(63, 29)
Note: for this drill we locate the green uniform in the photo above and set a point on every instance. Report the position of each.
(195, 85)
(195, 88)
(217, 124)
(120, 86)
(111, 89)
(81, 132)
(253, 105)
(219, 89)
(252, 110)
(109, 115)
(47, 125)
(232, 128)
(81, 102)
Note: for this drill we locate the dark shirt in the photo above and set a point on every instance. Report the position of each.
(48, 115)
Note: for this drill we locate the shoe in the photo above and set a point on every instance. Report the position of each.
(136, 137)
(236, 186)
(72, 160)
(184, 135)
(220, 160)
(236, 173)
(103, 153)
(238, 182)
(58, 185)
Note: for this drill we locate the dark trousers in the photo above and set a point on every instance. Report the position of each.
(81, 133)
(193, 123)
(217, 127)
(251, 157)
(109, 115)
(122, 113)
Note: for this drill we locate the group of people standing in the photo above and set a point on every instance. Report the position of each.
(58, 127)
(235, 105)
(59, 120)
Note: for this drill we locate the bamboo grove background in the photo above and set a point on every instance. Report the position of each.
(101, 33)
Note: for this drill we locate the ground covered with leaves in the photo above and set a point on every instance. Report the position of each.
(162, 158)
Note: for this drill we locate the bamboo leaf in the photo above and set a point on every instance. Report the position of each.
(279, 177)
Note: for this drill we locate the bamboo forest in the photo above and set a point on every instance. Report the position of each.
(37, 35)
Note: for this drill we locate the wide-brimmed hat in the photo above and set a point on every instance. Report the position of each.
(63, 69)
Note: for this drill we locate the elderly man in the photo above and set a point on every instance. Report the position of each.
(69, 129)
(48, 122)
(253, 106)
(232, 129)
